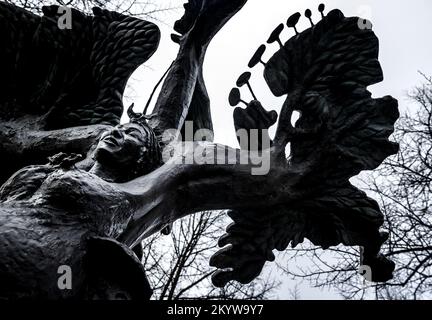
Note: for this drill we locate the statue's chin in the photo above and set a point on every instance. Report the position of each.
(105, 155)
(115, 161)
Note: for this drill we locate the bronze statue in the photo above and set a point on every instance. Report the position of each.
(106, 188)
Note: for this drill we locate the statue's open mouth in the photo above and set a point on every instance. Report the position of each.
(110, 140)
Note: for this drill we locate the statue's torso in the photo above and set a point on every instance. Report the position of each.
(46, 216)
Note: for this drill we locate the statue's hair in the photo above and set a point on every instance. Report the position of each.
(153, 157)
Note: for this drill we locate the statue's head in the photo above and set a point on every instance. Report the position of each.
(130, 148)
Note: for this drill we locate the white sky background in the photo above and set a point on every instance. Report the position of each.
(403, 27)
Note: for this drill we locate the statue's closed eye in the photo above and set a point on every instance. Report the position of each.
(135, 133)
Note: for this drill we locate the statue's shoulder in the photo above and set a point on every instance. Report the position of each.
(24, 182)
(76, 189)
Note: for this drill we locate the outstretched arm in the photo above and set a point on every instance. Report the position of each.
(176, 190)
(35, 145)
(184, 87)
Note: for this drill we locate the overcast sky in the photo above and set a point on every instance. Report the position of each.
(403, 28)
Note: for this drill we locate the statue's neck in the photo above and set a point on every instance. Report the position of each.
(105, 172)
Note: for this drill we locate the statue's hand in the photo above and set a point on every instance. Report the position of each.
(200, 21)
(65, 160)
(254, 117)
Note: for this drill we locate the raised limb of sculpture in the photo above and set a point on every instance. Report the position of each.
(106, 188)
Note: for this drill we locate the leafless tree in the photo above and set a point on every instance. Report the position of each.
(177, 265)
(403, 187)
(145, 8)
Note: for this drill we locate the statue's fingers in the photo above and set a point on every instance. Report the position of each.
(243, 119)
(221, 277)
(245, 274)
(267, 118)
(237, 242)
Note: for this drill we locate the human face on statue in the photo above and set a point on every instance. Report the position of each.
(122, 146)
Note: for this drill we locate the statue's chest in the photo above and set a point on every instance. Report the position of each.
(80, 197)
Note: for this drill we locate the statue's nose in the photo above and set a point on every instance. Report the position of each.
(116, 133)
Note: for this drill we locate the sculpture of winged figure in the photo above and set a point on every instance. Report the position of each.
(107, 186)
